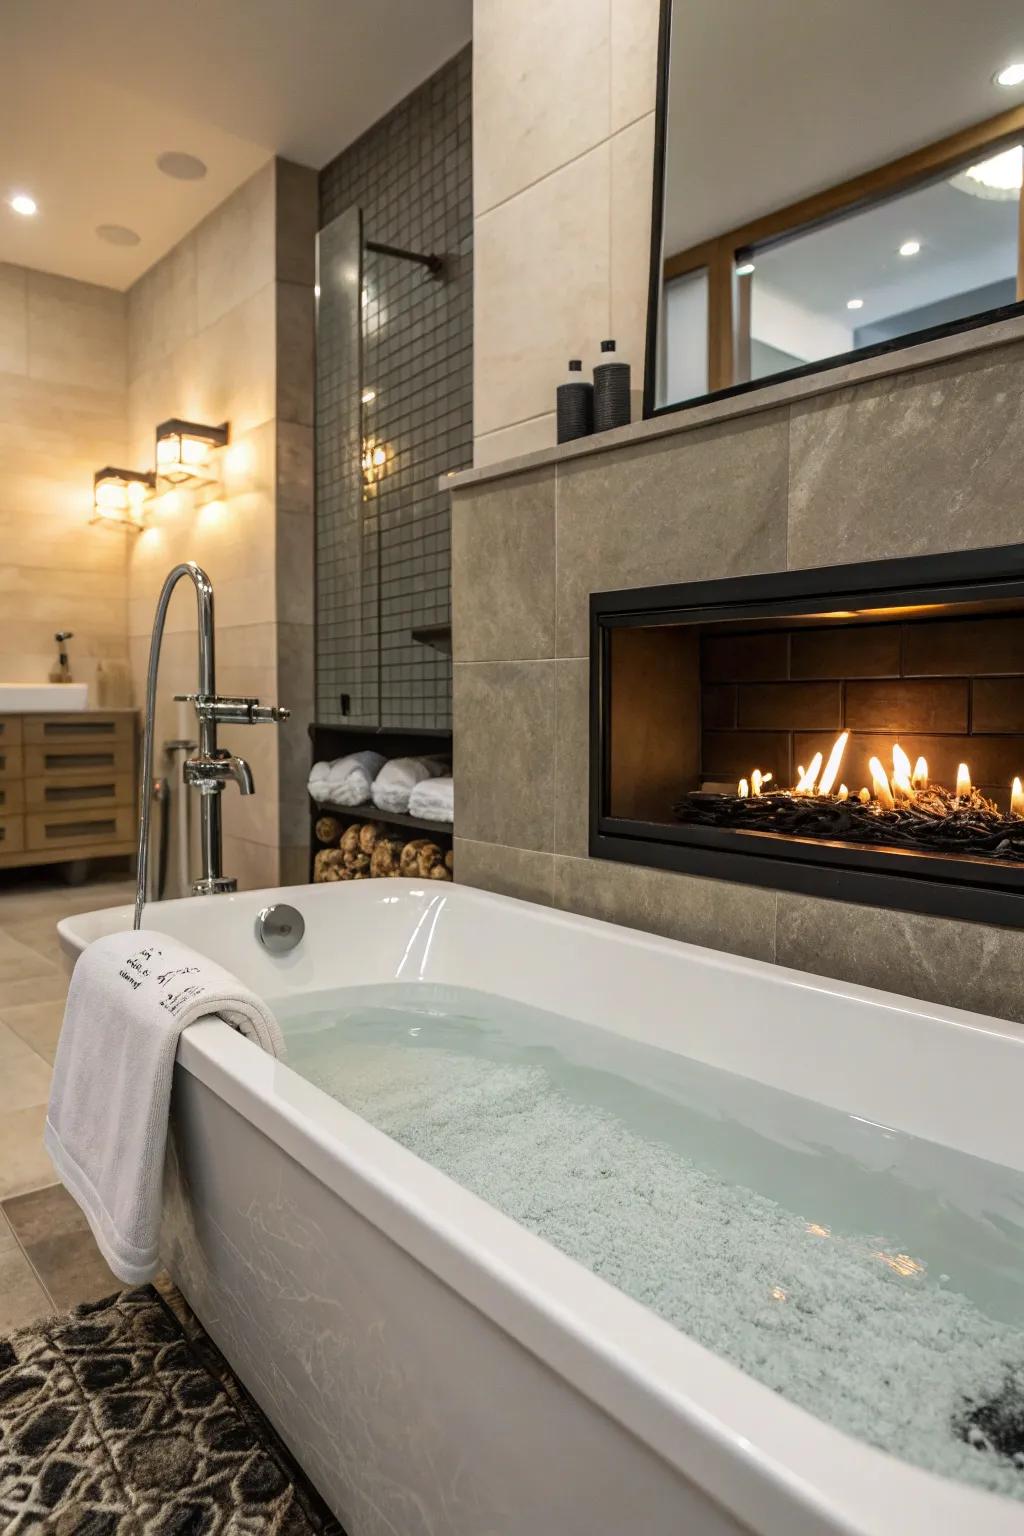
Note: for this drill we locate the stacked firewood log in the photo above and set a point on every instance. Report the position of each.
(369, 851)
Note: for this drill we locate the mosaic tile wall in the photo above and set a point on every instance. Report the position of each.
(411, 175)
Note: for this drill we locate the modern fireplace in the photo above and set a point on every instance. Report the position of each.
(851, 731)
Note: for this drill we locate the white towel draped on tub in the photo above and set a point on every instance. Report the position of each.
(346, 781)
(397, 779)
(434, 800)
(131, 996)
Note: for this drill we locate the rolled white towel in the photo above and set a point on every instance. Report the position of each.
(434, 800)
(347, 780)
(319, 779)
(397, 779)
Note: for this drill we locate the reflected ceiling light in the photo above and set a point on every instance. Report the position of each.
(119, 495)
(998, 179)
(855, 303)
(745, 269)
(910, 247)
(21, 203)
(368, 396)
(1013, 74)
(184, 450)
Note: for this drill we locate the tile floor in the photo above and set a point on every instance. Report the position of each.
(48, 1260)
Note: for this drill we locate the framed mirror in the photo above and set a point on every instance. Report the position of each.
(831, 181)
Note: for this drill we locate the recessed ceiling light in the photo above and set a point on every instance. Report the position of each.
(174, 162)
(910, 247)
(118, 234)
(855, 303)
(998, 179)
(1013, 74)
(23, 204)
(745, 269)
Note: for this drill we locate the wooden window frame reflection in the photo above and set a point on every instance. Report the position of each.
(729, 295)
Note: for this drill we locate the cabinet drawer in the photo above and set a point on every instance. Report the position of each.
(66, 829)
(77, 792)
(62, 759)
(10, 730)
(12, 834)
(11, 762)
(76, 728)
(12, 796)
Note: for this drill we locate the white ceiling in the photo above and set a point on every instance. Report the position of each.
(93, 90)
(771, 100)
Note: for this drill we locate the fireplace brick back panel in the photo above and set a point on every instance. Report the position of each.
(923, 461)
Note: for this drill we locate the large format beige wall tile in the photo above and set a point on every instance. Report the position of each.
(504, 752)
(509, 442)
(910, 465)
(739, 919)
(236, 364)
(965, 965)
(708, 503)
(236, 248)
(510, 871)
(253, 865)
(632, 164)
(503, 570)
(541, 272)
(525, 58)
(77, 333)
(13, 319)
(162, 308)
(634, 60)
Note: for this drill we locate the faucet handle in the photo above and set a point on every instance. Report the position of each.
(233, 711)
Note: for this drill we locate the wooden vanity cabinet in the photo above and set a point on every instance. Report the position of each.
(67, 786)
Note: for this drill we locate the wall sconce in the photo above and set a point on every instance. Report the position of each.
(118, 495)
(184, 450)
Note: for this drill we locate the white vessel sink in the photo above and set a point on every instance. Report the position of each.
(34, 698)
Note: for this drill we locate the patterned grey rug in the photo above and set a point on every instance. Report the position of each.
(121, 1419)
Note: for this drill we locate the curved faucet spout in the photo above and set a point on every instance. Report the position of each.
(210, 774)
(204, 605)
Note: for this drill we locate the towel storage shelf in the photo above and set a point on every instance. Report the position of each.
(331, 741)
(67, 786)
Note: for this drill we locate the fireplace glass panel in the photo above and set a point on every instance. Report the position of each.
(869, 735)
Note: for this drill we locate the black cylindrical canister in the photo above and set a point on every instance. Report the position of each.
(574, 405)
(611, 391)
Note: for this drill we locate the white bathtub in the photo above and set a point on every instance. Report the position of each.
(438, 1369)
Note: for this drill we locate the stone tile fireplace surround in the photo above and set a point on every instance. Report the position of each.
(916, 454)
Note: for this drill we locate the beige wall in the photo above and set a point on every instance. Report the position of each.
(222, 330)
(63, 375)
(924, 461)
(563, 146)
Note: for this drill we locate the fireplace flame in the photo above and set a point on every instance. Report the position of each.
(919, 777)
(1017, 798)
(806, 782)
(844, 793)
(743, 789)
(963, 782)
(835, 757)
(880, 785)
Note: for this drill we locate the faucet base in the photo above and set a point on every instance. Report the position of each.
(214, 885)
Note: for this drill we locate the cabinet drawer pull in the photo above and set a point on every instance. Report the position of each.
(69, 730)
(60, 794)
(62, 830)
(61, 762)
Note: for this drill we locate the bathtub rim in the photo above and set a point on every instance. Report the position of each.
(641, 1371)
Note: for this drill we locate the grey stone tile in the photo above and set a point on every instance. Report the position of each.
(72, 1269)
(909, 466)
(739, 919)
(965, 965)
(44, 1213)
(572, 757)
(295, 353)
(504, 752)
(22, 1298)
(509, 871)
(705, 504)
(503, 571)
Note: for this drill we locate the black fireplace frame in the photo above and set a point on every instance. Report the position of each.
(954, 886)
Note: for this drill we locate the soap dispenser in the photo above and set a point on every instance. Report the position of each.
(611, 390)
(60, 672)
(574, 405)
